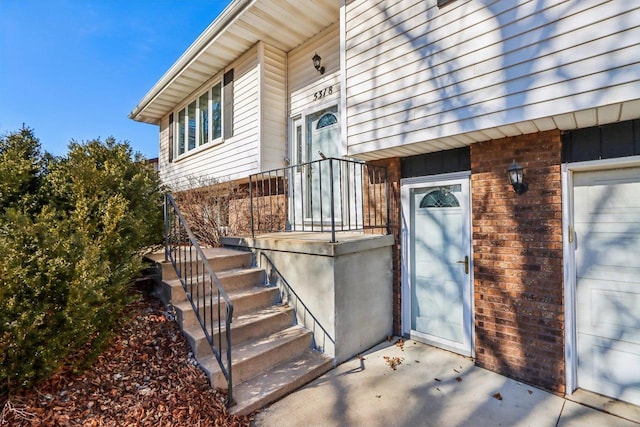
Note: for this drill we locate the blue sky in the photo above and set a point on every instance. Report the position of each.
(74, 69)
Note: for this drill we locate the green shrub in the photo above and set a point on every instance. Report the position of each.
(71, 248)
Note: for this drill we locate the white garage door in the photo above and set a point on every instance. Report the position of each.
(607, 225)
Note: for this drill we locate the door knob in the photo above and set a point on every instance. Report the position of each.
(465, 261)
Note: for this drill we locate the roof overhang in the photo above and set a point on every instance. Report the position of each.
(284, 24)
(597, 116)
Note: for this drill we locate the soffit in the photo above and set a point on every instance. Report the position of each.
(284, 24)
(599, 116)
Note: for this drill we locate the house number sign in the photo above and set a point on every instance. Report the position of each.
(325, 92)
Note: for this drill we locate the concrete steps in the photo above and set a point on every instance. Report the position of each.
(271, 355)
(279, 381)
(253, 325)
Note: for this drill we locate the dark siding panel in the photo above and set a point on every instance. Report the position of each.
(227, 108)
(448, 161)
(636, 137)
(602, 142)
(171, 137)
(586, 144)
(617, 140)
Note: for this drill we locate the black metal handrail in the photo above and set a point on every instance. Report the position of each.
(326, 195)
(286, 291)
(202, 286)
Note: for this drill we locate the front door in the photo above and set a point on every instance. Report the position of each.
(323, 142)
(437, 306)
(607, 244)
(315, 136)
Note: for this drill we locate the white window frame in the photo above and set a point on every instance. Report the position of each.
(199, 145)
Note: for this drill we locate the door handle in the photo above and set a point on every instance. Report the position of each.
(465, 261)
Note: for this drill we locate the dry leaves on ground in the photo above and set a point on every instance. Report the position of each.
(146, 378)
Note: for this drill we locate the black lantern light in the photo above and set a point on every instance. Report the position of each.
(516, 178)
(317, 63)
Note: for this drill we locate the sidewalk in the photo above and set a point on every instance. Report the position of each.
(429, 387)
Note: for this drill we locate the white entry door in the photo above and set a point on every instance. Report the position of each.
(315, 136)
(438, 284)
(323, 141)
(607, 226)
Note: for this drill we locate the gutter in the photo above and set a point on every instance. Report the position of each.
(228, 15)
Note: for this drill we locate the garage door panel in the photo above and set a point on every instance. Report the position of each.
(607, 224)
(598, 355)
(612, 310)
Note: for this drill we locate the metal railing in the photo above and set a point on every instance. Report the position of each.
(327, 195)
(291, 298)
(203, 288)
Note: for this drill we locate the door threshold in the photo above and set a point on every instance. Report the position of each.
(606, 404)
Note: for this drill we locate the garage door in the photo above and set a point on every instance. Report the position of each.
(607, 225)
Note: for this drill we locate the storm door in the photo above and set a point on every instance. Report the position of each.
(315, 137)
(438, 281)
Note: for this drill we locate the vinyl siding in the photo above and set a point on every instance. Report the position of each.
(235, 157)
(416, 72)
(273, 106)
(304, 80)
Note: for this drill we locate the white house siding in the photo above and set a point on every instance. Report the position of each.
(273, 105)
(236, 157)
(304, 80)
(416, 72)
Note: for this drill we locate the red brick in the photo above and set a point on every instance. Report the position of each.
(517, 242)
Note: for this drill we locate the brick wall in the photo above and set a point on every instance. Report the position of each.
(517, 244)
(393, 166)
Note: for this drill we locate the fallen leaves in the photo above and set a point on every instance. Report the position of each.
(145, 378)
(394, 361)
(497, 396)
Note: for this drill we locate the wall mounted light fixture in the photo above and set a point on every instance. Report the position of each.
(516, 178)
(317, 63)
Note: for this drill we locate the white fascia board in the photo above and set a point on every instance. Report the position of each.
(228, 15)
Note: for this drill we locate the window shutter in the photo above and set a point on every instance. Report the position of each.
(171, 137)
(227, 108)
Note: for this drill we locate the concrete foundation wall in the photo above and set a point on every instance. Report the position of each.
(347, 286)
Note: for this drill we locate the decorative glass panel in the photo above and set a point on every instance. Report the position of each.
(191, 128)
(327, 119)
(203, 108)
(216, 111)
(181, 131)
(440, 198)
(298, 158)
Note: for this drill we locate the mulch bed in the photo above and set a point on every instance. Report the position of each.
(147, 377)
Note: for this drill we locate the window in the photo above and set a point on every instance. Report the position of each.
(327, 119)
(203, 118)
(440, 198)
(191, 128)
(200, 122)
(216, 107)
(182, 118)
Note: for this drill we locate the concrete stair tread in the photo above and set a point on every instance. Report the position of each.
(279, 381)
(236, 271)
(221, 252)
(244, 319)
(257, 348)
(233, 295)
(260, 346)
(231, 279)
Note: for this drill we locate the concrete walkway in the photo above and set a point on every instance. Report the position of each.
(429, 387)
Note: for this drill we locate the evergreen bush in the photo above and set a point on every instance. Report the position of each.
(71, 232)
